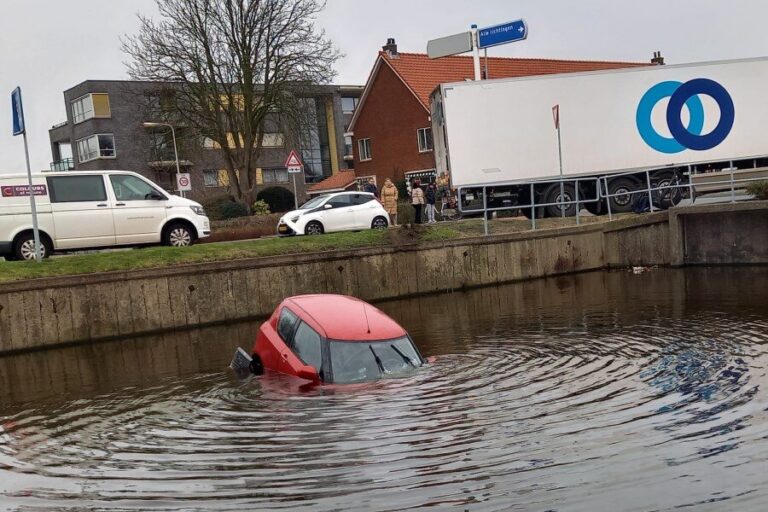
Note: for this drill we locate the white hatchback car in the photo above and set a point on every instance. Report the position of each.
(342, 211)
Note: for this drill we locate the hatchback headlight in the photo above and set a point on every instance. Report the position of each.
(295, 219)
(198, 210)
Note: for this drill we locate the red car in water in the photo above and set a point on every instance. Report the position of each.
(333, 339)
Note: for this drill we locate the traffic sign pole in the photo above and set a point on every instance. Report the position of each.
(19, 128)
(476, 53)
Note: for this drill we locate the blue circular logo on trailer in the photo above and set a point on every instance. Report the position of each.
(685, 94)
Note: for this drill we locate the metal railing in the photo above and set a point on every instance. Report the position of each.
(656, 191)
(67, 164)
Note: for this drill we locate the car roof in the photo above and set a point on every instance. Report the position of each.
(45, 174)
(345, 318)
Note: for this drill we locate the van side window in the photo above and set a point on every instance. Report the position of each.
(131, 188)
(306, 345)
(285, 325)
(73, 189)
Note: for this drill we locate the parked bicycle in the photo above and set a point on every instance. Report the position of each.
(449, 208)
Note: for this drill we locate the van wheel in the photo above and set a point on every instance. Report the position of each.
(313, 228)
(178, 235)
(24, 248)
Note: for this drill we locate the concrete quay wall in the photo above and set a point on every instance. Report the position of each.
(76, 309)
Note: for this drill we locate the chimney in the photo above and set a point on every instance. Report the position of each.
(657, 59)
(390, 47)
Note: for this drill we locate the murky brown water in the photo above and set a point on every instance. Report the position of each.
(604, 391)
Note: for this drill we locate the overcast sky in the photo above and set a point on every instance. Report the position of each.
(47, 46)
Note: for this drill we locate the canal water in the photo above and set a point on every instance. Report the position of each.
(602, 391)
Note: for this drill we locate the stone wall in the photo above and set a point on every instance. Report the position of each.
(68, 310)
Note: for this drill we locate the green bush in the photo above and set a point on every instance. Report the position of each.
(759, 189)
(260, 207)
(233, 210)
(279, 199)
(214, 205)
(405, 213)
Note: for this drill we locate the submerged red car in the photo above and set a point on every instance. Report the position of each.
(332, 339)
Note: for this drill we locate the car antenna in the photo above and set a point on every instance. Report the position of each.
(367, 323)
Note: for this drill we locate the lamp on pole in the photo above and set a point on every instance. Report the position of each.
(175, 150)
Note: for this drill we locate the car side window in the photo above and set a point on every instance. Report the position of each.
(341, 201)
(131, 188)
(359, 199)
(73, 189)
(285, 324)
(306, 345)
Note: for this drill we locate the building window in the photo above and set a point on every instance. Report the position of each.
(216, 178)
(348, 147)
(272, 140)
(90, 106)
(279, 175)
(349, 104)
(364, 145)
(209, 143)
(96, 146)
(425, 139)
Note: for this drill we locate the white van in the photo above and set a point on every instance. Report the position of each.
(94, 209)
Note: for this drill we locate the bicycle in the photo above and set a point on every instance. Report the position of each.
(449, 208)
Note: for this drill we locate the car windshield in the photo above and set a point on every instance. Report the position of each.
(355, 361)
(313, 203)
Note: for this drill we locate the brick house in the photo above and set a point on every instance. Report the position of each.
(390, 132)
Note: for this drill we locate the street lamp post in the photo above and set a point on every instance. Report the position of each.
(175, 150)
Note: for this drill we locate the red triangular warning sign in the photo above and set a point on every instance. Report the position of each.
(293, 160)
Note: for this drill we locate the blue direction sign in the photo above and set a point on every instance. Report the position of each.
(502, 34)
(18, 112)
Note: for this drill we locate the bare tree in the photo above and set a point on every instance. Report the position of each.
(238, 65)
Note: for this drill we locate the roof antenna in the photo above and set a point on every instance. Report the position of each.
(367, 323)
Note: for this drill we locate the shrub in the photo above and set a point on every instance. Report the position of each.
(260, 207)
(213, 206)
(406, 214)
(233, 210)
(279, 199)
(759, 189)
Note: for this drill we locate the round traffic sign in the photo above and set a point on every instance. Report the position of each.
(184, 181)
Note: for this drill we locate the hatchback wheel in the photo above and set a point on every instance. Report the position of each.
(313, 228)
(379, 223)
(178, 235)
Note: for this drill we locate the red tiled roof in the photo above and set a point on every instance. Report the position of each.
(423, 74)
(338, 181)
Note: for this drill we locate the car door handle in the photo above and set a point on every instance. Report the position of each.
(102, 205)
(119, 204)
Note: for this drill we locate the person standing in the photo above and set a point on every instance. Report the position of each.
(370, 187)
(431, 196)
(389, 197)
(417, 199)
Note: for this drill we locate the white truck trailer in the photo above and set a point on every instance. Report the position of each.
(615, 124)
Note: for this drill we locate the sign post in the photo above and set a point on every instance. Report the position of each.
(20, 129)
(556, 116)
(476, 39)
(294, 166)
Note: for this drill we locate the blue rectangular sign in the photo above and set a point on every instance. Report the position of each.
(502, 34)
(18, 112)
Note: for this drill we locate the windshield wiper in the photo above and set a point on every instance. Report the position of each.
(378, 361)
(405, 357)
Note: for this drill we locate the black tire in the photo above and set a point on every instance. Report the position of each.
(596, 207)
(314, 228)
(552, 195)
(178, 234)
(256, 366)
(24, 247)
(379, 223)
(624, 186)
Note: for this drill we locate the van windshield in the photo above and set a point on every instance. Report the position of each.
(355, 361)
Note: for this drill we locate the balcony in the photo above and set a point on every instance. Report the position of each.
(68, 164)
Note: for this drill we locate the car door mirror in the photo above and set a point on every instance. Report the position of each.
(308, 373)
(156, 196)
(328, 206)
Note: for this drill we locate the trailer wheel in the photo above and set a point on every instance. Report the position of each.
(552, 195)
(621, 191)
